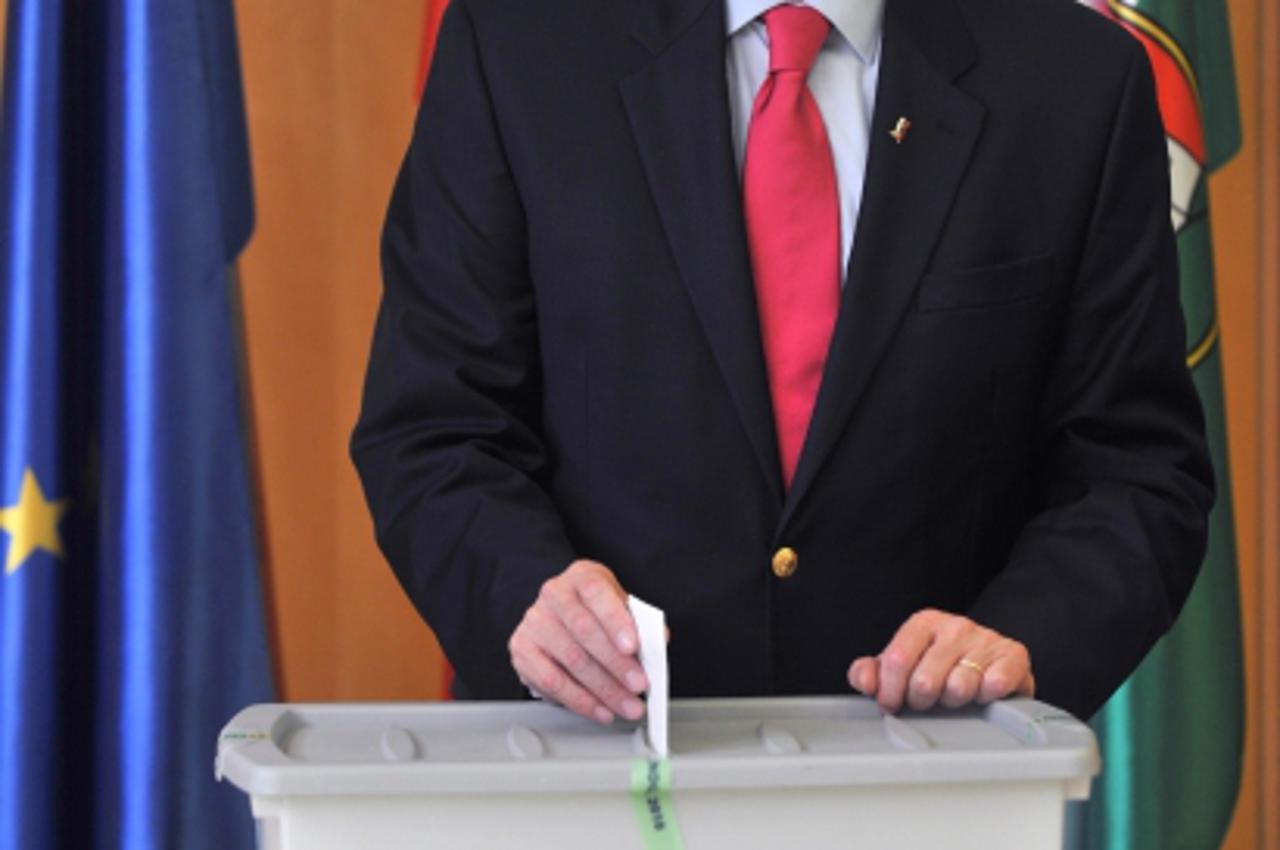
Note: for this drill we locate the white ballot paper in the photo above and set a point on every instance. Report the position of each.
(651, 623)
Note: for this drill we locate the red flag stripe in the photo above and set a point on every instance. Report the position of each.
(432, 13)
(1176, 88)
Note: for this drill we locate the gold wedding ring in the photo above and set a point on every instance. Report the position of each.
(972, 665)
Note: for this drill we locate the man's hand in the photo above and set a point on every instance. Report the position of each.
(577, 645)
(940, 657)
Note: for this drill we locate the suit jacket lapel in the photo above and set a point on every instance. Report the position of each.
(908, 191)
(679, 113)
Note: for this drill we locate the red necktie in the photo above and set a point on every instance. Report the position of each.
(793, 225)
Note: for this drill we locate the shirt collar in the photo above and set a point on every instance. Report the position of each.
(859, 21)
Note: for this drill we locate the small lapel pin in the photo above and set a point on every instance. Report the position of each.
(899, 131)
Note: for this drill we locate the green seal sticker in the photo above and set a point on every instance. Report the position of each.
(651, 791)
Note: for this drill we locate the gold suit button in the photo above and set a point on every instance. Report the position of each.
(785, 562)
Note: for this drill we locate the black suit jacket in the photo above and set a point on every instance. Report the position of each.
(567, 361)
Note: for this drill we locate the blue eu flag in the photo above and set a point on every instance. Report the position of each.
(131, 621)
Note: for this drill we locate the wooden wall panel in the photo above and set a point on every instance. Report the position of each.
(1235, 231)
(330, 90)
(1264, 677)
(1247, 287)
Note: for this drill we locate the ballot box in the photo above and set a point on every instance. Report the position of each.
(794, 773)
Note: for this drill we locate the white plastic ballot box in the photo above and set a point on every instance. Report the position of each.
(800, 773)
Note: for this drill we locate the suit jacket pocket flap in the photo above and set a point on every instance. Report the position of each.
(984, 287)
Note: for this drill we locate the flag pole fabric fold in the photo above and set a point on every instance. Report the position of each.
(131, 612)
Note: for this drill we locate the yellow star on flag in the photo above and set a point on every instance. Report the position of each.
(32, 524)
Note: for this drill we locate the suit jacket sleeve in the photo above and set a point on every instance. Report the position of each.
(447, 444)
(1101, 572)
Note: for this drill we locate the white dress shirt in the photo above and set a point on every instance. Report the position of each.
(843, 82)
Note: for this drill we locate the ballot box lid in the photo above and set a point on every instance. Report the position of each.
(532, 747)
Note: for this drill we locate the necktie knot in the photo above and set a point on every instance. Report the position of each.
(796, 34)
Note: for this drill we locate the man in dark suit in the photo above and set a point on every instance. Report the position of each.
(999, 485)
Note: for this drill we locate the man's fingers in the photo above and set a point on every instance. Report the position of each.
(965, 679)
(550, 681)
(600, 618)
(588, 630)
(900, 657)
(1008, 673)
(562, 646)
(953, 637)
(937, 657)
(597, 587)
(576, 645)
(863, 675)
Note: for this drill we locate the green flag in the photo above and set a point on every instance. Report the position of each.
(1171, 737)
